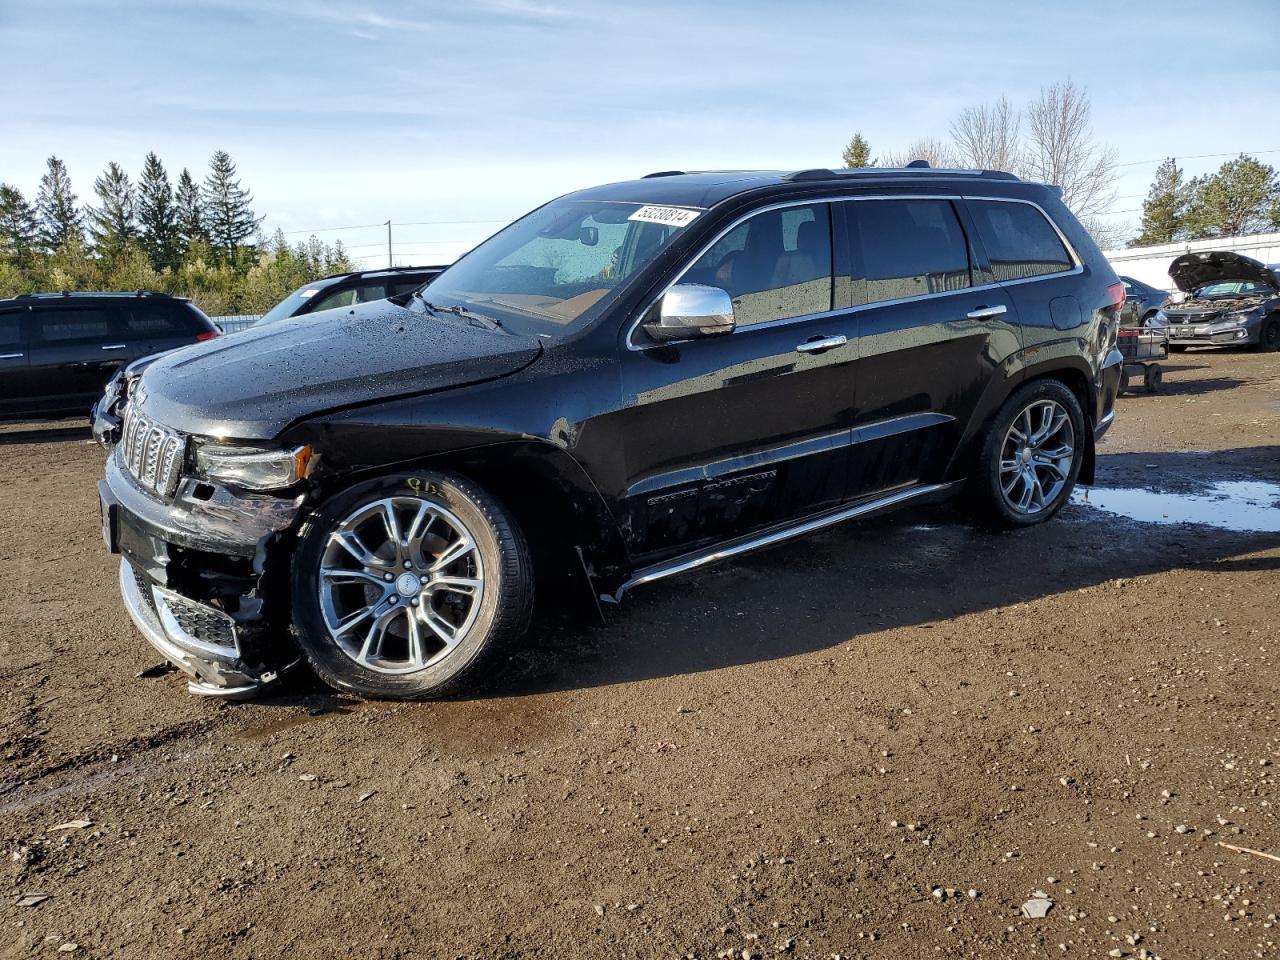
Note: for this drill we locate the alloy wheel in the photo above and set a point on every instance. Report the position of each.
(1036, 457)
(401, 581)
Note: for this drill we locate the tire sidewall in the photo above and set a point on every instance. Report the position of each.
(993, 501)
(326, 657)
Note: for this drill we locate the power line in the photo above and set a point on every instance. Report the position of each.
(370, 226)
(1198, 156)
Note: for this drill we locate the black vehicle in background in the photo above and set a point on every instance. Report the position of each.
(1142, 302)
(58, 350)
(631, 381)
(349, 289)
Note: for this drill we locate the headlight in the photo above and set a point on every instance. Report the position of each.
(253, 468)
(1161, 319)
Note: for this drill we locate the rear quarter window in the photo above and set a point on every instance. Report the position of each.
(11, 327)
(161, 320)
(1020, 241)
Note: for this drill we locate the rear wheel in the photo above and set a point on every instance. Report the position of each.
(1031, 456)
(1269, 336)
(405, 586)
(1153, 377)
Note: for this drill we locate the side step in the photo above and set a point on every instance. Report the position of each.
(732, 548)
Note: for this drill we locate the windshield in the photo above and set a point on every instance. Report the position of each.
(293, 302)
(1233, 288)
(557, 269)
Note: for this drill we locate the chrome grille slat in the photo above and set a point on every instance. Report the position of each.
(151, 453)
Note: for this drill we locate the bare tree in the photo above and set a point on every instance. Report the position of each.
(1060, 149)
(937, 152)
(987, 137)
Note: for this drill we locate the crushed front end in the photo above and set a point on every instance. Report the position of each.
(203, 566)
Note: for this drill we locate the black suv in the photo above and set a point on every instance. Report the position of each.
(629, 382)
(349, 289)
(58, 350)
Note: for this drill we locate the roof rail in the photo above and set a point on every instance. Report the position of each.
(663, 173)
(93, 293)
(822, 173)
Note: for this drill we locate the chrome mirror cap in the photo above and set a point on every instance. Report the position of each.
(691, 310)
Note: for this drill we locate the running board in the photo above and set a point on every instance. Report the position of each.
(733, 548)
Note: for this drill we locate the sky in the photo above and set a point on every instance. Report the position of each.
(452, 118)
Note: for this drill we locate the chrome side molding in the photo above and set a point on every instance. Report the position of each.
(733, 548)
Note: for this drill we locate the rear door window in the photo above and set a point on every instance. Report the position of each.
(1020, 242)
(11, 329)
(74, 324)
(907, 248)
(159, 319)
(775, 266)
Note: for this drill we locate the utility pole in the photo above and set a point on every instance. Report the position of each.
(390, 261)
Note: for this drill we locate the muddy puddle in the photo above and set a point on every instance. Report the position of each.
(1245, 506)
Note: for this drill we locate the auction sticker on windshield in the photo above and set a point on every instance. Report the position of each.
(670, 216)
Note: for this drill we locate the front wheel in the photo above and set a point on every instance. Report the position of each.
(1031, 456)
(405, 586)
(1269, 336)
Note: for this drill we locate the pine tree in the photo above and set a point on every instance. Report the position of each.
(189, 214)
(1237, 200)
(1163, 209)
(858, 153)
(228, 208)
(157, 214)
(113, 224)
(19, 227)
(60, 219)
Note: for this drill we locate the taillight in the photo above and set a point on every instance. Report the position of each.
(1116, 293)
(207, 335)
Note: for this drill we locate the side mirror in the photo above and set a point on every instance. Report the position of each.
(691, 310)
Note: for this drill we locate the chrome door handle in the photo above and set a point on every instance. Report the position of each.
(982, 313)
(113, 346)
(817, 346)
(12, 356)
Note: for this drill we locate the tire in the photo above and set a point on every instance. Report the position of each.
(1153, 377)
(1269, 336)
(1001, 481)
(462, 613)
(1146, 321)
(1124, 382)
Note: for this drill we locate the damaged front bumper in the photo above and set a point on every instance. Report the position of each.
(204, 578)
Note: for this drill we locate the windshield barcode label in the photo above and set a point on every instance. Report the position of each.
(670, 216)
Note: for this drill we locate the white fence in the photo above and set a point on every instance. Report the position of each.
(237, 322)
(1151, 264)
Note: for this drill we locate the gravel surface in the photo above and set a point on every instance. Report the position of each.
(893, 739)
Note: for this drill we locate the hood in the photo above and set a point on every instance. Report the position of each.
(251, 385)
(1191, 271)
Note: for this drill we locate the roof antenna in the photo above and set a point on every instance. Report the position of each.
(918, 164)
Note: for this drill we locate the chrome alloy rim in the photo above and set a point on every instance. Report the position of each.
(401, 582)
(1036, 458)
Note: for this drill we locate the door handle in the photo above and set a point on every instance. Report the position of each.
(12, 356)
(825, 343)
(982, 313)
(113, 346)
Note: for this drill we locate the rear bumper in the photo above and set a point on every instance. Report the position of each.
(200, 576)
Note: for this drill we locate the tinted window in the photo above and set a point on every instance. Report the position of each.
(1019, 240)
(10, 328)
(908, 248)
(775, 265)
(395, 289)
(151, 319)
(351, 296)
(80, 323)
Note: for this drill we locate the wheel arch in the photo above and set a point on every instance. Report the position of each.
(546, 490)
(1077, 381)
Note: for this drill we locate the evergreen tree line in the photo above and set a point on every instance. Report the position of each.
(1241, 198)
(199, 240)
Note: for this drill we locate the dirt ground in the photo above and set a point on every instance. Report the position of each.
(875, 742)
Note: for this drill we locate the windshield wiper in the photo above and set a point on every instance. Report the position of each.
(459, 311)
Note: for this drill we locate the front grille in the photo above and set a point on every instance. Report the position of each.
(151, 453)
